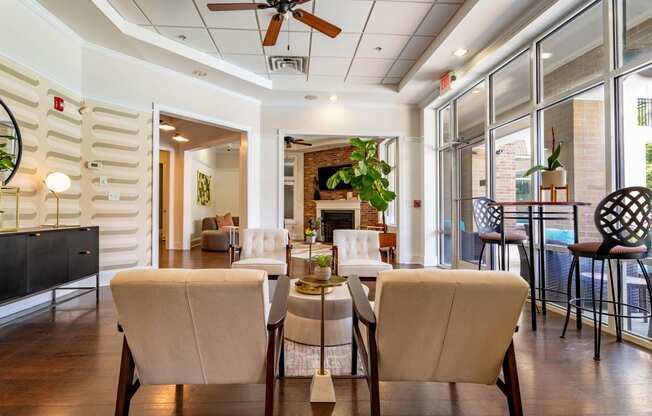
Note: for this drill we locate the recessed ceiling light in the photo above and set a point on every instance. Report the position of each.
(475, 91)
(333, 98)
(166, 127)
(460, 52)
(311, 97)
(179, 138)
(546, 55)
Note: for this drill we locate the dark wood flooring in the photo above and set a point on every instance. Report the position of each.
(66, 363)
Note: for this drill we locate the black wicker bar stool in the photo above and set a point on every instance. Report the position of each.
(624, 219)
(489, 222)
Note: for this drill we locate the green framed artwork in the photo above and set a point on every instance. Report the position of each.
(203, 189)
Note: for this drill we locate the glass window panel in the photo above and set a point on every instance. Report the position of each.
(636, 119)
(446, 204)
(445, 123)
(637, 28)
(288, 200)
(512, 158)
(573, 54)
(473, 184)
(511, 89)
(288, 167)
(471, 114)
(578, 124)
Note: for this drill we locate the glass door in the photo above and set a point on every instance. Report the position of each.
(472, 184)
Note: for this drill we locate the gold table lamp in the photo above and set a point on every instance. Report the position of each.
(57, 182)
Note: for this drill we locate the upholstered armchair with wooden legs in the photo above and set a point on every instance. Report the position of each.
(263, 249)
(449, 326)
(357, 252)
(198, 327)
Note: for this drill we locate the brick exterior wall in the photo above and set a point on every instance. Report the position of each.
(312, 161)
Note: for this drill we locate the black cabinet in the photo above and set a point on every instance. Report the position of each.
(13, 263)
(32, 261)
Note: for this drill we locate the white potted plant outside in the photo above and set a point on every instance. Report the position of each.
(323, 269)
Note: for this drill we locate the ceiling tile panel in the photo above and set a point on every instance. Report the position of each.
(396, 18)
(299, 43)
(365, 67)
(229, 19)
(342, 46)
(350, 15)
(390, 46)
(253, 63)
(416, 46)
(400, 68)
(194, 37)
(171, 12)
(129, 11)
(329, 66)
(238, 41)
(437, 19)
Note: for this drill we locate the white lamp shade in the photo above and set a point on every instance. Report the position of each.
(57, 182)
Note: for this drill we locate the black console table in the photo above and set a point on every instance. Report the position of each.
(38, 260)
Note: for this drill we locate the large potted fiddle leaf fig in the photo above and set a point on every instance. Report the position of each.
(367, 176)
(6, 161)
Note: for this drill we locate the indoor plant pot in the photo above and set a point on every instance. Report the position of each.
(322, 273)
(556, 178)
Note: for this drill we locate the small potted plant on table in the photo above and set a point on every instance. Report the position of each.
(553, 175)
(323, 269)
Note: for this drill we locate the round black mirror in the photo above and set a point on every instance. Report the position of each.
(11, 145)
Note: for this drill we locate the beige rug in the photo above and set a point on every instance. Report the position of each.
(301, 250)
(303, 360)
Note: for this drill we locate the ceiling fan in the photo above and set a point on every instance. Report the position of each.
(283, 7)
(289, 141)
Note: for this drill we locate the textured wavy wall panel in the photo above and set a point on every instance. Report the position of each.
(65, 141)
(121, 140)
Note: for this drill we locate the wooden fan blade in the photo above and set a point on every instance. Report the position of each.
(316, 23)
(225, 7)
(273, 30)
(303, 144)
(301, 1)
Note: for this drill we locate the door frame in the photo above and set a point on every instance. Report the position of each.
(169, 233)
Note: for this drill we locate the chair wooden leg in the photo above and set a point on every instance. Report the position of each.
(126, 386)
(373, 377)
(481, 253)
(270, 379)
(512, 389)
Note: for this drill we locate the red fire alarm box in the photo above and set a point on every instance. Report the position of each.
(58, 103)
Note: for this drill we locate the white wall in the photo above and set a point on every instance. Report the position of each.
(227, 183)
(340, 119)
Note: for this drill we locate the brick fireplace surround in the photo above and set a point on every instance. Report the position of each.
(330, 157)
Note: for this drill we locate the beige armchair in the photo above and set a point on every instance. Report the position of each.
(357, 252)
(198, 327)
(263, 249)
(451, 326)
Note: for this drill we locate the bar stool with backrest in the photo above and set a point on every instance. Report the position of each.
(489, 222)
(624, 220)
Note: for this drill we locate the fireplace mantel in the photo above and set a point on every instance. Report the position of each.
(340, 205)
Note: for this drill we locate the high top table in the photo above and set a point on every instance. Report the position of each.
(541, 216)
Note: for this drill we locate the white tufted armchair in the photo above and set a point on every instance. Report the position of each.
(357, 252)
(263, 249)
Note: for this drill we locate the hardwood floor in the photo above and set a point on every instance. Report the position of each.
(66, 363)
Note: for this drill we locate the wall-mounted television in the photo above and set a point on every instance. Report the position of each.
(324, 173)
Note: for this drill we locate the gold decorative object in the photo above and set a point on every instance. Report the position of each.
(7, 190)
(310, 290)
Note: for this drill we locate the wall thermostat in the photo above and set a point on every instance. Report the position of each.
(94, 164)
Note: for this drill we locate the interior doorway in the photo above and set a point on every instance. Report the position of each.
(202, 178)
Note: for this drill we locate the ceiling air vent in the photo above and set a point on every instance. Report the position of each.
(288, 65)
